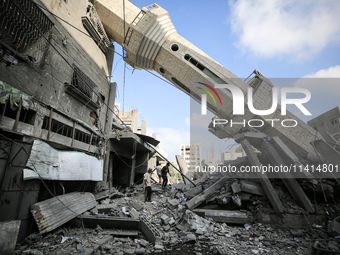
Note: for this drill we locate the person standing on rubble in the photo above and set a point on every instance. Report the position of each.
(147, 182)
(159, 172)
(165, 171)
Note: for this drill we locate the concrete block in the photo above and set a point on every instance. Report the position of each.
(207, 193)
(237, 200)
(134, 214)
(165, 219)
(180, 186)
(105, 208)
(159, 247)
(143, 243)
(173, 203)
(172, 222)
(8, 236)
(236, 187)
(166, 228)
(236, 217)
(251, 187)
(136, 205)
(189, 238)
(193, 191)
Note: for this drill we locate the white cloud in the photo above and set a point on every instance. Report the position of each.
(324, 81)
(171, 139)
(331, 72)
(274, 28)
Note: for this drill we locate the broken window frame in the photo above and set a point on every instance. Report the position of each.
(334, 121)
(83, 89)
(22, 27)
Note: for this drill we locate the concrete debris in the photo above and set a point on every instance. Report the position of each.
(236, 187)
(251, 187)
(167, 225)
(234, 217)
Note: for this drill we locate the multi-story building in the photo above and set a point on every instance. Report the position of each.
(231, 155)
(192, 154)
(130, 119)
(56, 107)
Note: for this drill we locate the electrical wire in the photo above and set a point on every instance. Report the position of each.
(36, 171)
(73, 68)
(50, 43)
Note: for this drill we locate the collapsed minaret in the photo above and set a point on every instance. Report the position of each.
(151, 42)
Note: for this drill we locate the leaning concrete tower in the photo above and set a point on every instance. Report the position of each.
(151, 42)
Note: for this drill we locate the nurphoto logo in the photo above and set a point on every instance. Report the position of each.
(239, 104)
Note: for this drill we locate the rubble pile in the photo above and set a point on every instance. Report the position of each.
(167, 226)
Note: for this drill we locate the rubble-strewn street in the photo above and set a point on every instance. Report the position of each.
(251, 167)
(178, 230)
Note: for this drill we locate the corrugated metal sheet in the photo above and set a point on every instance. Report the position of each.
(54, 212)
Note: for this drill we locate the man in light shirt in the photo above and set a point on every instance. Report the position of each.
(147, 182)
(159, 173)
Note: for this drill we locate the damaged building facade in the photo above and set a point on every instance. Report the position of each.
(56, 108)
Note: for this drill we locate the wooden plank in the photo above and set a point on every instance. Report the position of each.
(54, 212)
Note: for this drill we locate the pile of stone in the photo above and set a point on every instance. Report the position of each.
(185, 219)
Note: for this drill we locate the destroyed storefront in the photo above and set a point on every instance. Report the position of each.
(56, 101)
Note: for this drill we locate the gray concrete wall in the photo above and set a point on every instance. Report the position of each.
(46, 82)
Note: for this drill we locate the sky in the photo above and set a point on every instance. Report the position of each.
(284, 39)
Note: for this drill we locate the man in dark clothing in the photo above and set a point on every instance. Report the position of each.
(165, 172)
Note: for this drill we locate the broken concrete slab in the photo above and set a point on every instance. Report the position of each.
(123, 232)
(165, 219)
(237, 200)
(189, 238)
(9, 231)
(137, 205)
(265, 182)
(105, 208)
(93, 221)
(54, 212)
(134, 214)
(193, 191)
(180, 186)
(206, 194)
(96, 245)
(166, 228)
(252, 187)
(149, 230)
(236, 217)
(334, 225)
(236, 187)
(173, 203)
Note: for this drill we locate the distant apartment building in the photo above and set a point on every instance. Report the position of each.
(192, 154)
(231, 155)
(130, 118)
(234, 154)
(211, 155)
